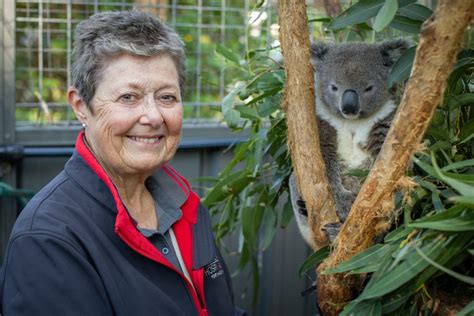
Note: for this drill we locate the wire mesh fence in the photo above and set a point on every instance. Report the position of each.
(44, 33)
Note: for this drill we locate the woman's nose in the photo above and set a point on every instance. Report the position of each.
(151, 113)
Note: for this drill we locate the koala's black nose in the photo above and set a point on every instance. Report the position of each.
(350, 102)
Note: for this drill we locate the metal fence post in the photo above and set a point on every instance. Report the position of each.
(7, 115)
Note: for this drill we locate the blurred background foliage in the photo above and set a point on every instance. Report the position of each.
(425, 264)
(44, 37)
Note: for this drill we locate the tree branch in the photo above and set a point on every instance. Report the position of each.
(298, 103)
(440, 40)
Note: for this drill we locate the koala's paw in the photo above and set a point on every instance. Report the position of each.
(344, 201)
(302, 207)
(332, 230)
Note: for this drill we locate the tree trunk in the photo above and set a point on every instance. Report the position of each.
(440, 39)
(298, 103)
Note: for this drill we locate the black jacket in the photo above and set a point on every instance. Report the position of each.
(74, 250)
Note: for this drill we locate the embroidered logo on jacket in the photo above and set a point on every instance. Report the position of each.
(213, 269)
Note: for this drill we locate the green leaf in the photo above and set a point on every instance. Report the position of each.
(416, 11)
(264, 95)
(467, 310)
(287, 214)
(385, 15)
(248, 221)
(437, 203)
(454, 274)
(368, 257)
(456, 219)
(323, 19)
(360, 12)
(405, 24)
(402, 68)
(452, 179)
(467, 130)
(394, 302)
(231, 184)
(458, 165)
(247, 112)
(464, 200)
(399, 233)
(404, 3)
(363, 308)
(403, 272)
(227, 54)
(461, 100)
(231, 116)
(316, 258)
(269, 224)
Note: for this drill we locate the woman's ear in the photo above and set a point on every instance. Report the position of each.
(78, 105)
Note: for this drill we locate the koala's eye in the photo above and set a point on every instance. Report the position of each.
(333, 88)
(369, 88)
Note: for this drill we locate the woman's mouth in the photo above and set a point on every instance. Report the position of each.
(147, 139)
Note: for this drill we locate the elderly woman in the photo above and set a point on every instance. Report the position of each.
(119, 232)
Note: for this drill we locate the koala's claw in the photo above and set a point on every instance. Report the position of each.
(302, 207)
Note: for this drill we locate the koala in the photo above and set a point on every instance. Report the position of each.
(355, 107)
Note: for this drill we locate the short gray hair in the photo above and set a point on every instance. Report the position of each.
(109, 34)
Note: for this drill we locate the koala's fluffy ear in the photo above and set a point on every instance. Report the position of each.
(392, 50)
(318, 50)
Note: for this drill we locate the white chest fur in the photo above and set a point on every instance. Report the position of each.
(353, 135)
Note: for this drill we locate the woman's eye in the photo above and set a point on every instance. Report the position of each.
(127, 98)
(168, 98)
(333, 88)
(369, 88)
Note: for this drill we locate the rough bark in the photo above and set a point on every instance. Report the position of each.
(440, 40)
(298, 103)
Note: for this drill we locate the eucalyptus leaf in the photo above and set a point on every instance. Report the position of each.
(459, 165)
(416, 11)
(461, 100)
(231, 184)
(467, 310)
(461, 187)
(264, 95)
(459, 276)
(403, 272)
(269, 224)
(405, 24)
(456, 219)
(247, 219)
(385, 15)
(364, 308)
(358, 13)
(464, 200)
(367, 257)
(231, 116)
(397, 234)
(287, 215)
(393, 302)
(467, 130)
(402, 68)
(227, 54)
(313, 260)
(247, 112)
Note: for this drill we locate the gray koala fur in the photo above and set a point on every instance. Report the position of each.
(355, 106)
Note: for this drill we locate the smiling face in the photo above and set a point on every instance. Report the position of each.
(135, 126)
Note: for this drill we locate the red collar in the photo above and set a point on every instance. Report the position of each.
(125, 227)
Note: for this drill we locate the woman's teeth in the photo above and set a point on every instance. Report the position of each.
(145, 140)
